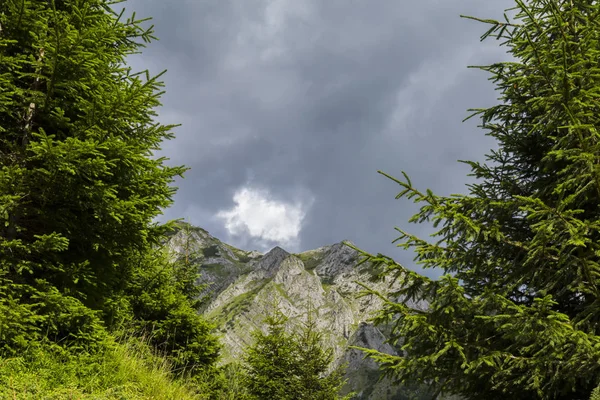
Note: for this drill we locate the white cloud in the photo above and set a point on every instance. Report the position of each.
(258, 218)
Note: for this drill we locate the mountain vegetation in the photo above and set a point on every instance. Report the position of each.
(283, 365)
(80, 265)
(516, 314)
(99, 301)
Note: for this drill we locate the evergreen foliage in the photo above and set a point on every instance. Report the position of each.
(516, 314)
(79, 187)
(316, 381)
(291, 366)
(164, 306)
(595, 394)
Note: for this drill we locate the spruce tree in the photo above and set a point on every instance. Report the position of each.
(270, 362)
(516, 313)
(80, 185)
(315, 379)
(283, 365)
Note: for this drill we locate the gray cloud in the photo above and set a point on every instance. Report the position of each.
(312, 97)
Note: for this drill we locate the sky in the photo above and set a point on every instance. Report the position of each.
(289, 107)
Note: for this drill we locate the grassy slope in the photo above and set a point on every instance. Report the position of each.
(125, 370)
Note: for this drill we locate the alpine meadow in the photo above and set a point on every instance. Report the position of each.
(101, 300)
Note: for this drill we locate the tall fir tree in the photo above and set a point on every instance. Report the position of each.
(79, 182)
(516, 314)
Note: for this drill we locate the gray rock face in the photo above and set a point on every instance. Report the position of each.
(367, 336)
(248, 286)
(270, 262)
(339, 258)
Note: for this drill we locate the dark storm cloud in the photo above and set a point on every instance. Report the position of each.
(307, 99)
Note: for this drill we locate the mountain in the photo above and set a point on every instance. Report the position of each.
(245, 286)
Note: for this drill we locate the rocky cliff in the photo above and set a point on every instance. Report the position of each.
(243, 287)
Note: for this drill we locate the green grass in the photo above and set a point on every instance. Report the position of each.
(242, 255)
(223, 316)
(126, 370)
(310, 261)
(282, 292)
(215, 269)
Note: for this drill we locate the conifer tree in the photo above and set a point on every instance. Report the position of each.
(79, 182)
(271, 362)
(283, 365)
(516, 314)
(315, 379)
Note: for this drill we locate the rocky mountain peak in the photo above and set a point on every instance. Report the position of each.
(270, 261)
(338, 259)
(246, 286)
